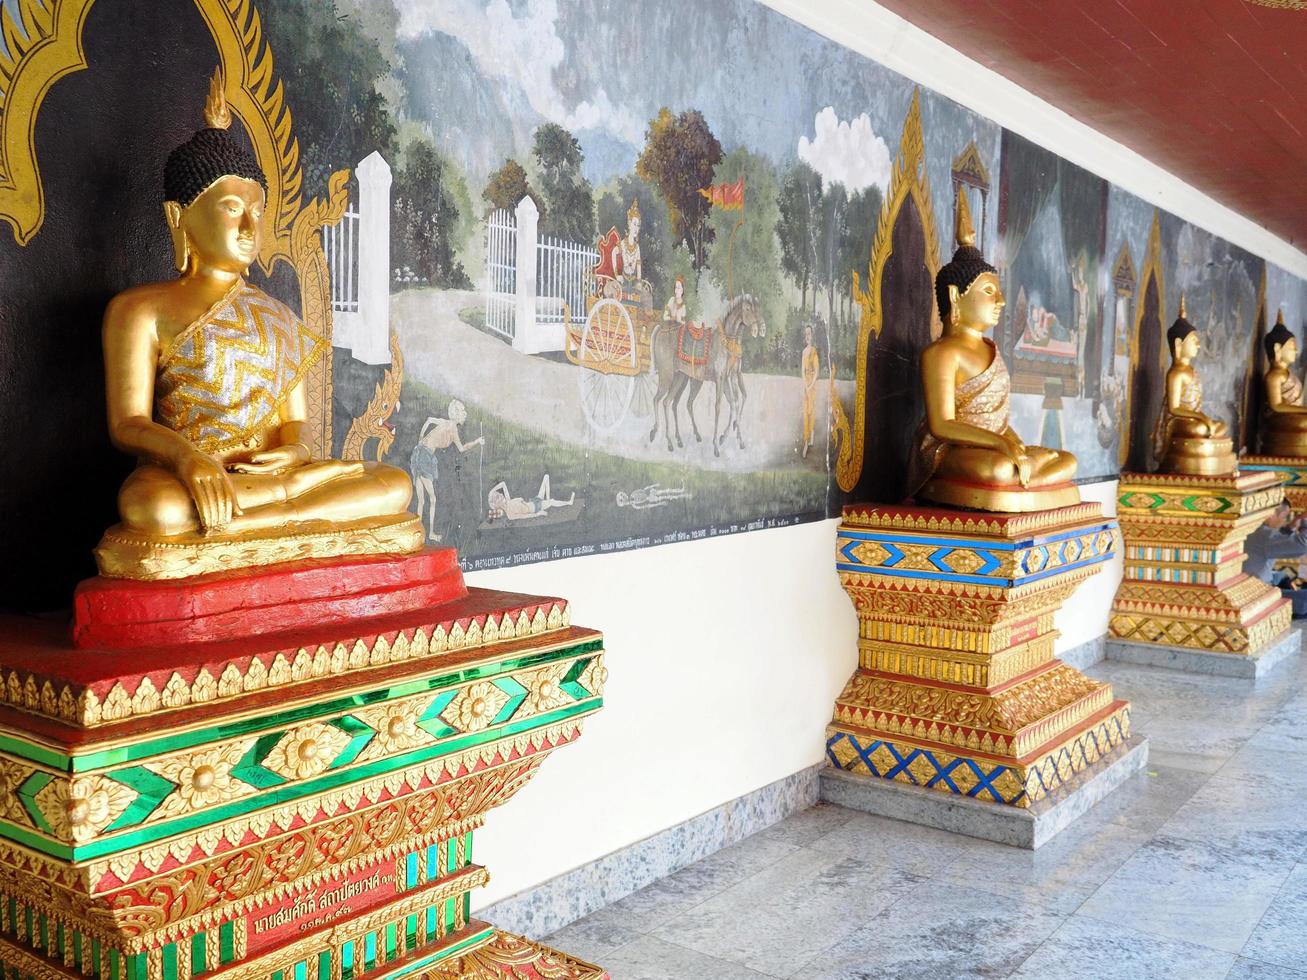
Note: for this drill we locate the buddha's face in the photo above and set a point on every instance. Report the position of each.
(1288, 352)
(981, 306)
(223, 226)
(1190, 346)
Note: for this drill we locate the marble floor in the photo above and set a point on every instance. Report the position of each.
(1196, 868)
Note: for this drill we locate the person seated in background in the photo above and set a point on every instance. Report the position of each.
(1282, 536)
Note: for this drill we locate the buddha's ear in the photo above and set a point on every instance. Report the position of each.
(172, 212)
(953, 297)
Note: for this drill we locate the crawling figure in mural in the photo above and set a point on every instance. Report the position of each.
(504, 506)
(424, 465)
(205, 378)
(968, 455)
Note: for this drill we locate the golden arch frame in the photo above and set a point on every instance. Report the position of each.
(909, 181)
(1152, 268)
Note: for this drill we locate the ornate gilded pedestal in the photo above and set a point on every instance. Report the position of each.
(1185, 601)
(288, 806)
(1292, 471)
(957, 689)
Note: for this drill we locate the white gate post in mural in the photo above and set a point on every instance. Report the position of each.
(372, 339)
(528, 227)
(358, 258)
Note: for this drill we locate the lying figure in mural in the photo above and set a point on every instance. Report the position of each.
(1184, 439)
(502, 504)
(967, 453)
(1284, 418)
(205, 376)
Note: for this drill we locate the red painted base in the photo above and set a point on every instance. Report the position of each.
(121, 614)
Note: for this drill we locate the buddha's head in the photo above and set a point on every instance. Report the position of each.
(967, 289)
(1183, 338)
(1280, 344)
(214, 195)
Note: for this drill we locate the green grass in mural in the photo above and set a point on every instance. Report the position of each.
(521, 456)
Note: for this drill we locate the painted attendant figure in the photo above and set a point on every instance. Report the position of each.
(809, 368)
(967, 453)
(205, 377)
(1284, 420)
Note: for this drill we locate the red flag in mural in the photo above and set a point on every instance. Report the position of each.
(729, 197)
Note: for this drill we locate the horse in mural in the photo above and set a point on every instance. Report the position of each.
(684, 360)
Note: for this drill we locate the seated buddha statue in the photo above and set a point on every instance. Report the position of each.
(205, 378)
(1284, 418)
(1184, 439)
(968, 455)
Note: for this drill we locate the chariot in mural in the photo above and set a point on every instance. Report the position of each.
(614, 344)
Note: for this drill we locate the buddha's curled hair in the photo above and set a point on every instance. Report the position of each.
(967, 266)
(209, 155)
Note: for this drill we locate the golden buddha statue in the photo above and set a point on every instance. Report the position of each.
(205, 381)
(1284, 418)
(1184, 439)
(967, 453)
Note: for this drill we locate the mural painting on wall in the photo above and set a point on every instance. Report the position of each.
(1222, 286)
(595, 293)
(622, 299)
(1051, 229)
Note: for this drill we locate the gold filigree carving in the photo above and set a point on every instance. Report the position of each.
(396, 726)
(544, 690)
(908, 182)
(511, 956)
(40, 43)
(372, 421)
(203, 779)
(475, 707)
(22, 690)
(79, 809)
(306, 751)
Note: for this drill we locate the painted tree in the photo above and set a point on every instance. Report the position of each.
(858, 234)
(508, 185)
(680, 154)
(656, 239)
(331, 69)
(751, 263)
(568, 195)
(425, 217)
(830, 259)
(799, 225)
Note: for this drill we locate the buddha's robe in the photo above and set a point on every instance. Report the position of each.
(222, 382)
(982, 401)
(1191, 398)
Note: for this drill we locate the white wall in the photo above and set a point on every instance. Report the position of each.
(724, 658)
(725, 655)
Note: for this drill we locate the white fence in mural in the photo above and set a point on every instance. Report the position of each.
(564, 275)
(501, 273)
(340, 242)
(532, 282)
(358, 258)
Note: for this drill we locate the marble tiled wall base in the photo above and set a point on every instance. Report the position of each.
(1085, 654)
(562, 900)
(1204, 661)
